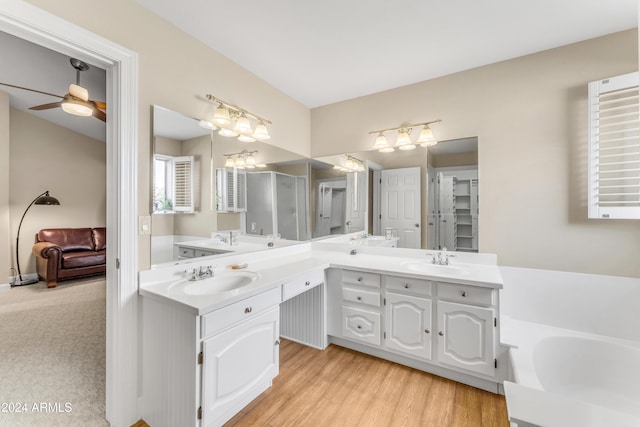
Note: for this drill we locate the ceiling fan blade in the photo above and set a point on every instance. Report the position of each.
(46, 106)
(99, 114)
(31, 90)
(101, 105)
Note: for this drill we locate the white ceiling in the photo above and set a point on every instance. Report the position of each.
(26, 64)
(320, 52)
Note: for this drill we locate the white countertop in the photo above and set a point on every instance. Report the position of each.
(278, 265)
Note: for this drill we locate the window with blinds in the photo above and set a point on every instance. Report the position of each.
(614, 148)
(183, 184)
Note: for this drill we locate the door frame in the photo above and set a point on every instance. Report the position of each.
(30, 23)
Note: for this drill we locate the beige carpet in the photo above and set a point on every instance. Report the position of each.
(52, 354)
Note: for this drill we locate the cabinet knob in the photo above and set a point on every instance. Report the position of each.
(359, 279)
(463, 293)
(427, 331)
(441, 333)
(407, 286)
(359, 298)
(359, 327)
(248, 310)
(307, 283)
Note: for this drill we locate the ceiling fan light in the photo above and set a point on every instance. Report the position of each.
(261, 133)
(221, 116)
(381, 142)
(246, 138)
(76, 107)
(227, 132)
(78, 92)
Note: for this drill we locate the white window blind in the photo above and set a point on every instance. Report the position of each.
(183, 184)
(231, 190)
(614, 148)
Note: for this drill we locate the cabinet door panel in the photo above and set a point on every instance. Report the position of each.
(466, 337)
(237, 364)
(408, 324)
(361, 325)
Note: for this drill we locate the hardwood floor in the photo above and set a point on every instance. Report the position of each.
(341, 387)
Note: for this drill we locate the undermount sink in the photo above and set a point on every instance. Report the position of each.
(427, 268)
(220, 282)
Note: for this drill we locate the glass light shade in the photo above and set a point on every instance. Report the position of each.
(387, 150)
(229, 163)
(250, 161)
(246, 138)
(407, 147)
(261, 165)
(207, 125)
(403, 137)
(429, 143)
(78, 92)
(426, 135)
(76, 107)
(221, 116)
(240, 162)
(243, 126)
(381, 142)
(350, 164)
(227, 132)
(261, 133)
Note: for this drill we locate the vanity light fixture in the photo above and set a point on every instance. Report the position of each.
(352, 164)
(236, 121)
(403, 142)
(207, 125)
(241, 160)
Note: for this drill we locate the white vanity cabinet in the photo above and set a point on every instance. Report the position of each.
(445, 328)
(466, 324)
(361, 317)
(239, 364)
(202, 370)
(408, 316)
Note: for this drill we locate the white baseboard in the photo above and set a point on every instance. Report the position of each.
(5, 287)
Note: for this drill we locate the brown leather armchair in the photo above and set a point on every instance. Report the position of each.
(70, 253)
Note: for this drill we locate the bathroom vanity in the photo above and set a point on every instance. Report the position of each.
(211, 346)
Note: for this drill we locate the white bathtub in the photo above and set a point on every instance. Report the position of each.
(564, 377)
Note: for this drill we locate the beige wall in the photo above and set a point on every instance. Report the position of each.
(71, 166)
(176, 71)
(5, 231)
(529, 115)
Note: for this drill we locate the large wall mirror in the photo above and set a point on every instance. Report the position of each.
(200, 192)
(426, 198)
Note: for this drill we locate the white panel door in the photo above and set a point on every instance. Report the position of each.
(400, 208)
(466, 337)
(408, 324)
(357, 190)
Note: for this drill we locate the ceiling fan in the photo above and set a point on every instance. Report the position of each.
(76, 101)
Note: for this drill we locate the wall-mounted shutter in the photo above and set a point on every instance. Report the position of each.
(614, 148)
(183, 200)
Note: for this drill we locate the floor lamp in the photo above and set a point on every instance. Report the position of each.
(42, 199)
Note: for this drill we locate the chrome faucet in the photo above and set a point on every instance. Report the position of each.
(201, 273)
(440, 258)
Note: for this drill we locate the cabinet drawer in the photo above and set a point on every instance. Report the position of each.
(202, 252)
(466, 294)
(186, 252)
(361, 325)
(360, 278)
(226, 316)
(302, 283)
(361, 296)
(408, 285)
